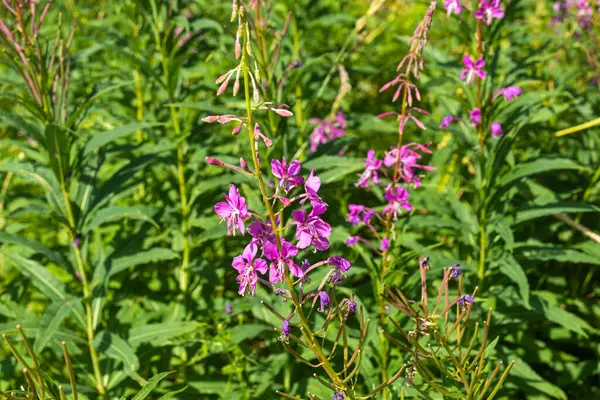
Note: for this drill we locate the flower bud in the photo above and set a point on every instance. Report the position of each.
(285, 327)
(211, 119)
(236, 130)
(243, 164)
(214, 161)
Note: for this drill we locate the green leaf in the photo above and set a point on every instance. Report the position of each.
(556, 253)
(522, 372)
(512, 269)
(102, 139)
(52, 318)
(549, 209)
(143, 257)
(38, 247)
(246, 331)
(536, 167)
(117, 213)
(59, 149)
(115, 347)
(171, 394)
(148, 387)
(47, 283)
(560, 316)
(160, 334)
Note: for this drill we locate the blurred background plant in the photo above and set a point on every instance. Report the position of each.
(101, 115)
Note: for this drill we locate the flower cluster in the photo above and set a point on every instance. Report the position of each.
(327, 130)
(400, 166)
(473, 67)
(310, 230)
(579, 11)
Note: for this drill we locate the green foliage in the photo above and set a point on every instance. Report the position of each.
(109, 242)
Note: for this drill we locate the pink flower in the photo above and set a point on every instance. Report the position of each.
(397, 198)
(234, 210)
(472, 68)
(408, 161)
(385, 244)
(496, 129)
(324, 297)
(372, 165)
(475, 116)
(247, 267)
(261, 233)
(340, 266)
(327, 130)
(282, 259)
(453, 7)
(311, 188)
(352, 240)
(447, 120)
(509, 93)
(489, 10)
(287, 175)
(354, 211)
(311, 230)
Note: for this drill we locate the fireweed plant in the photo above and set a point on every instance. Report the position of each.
(271, 256)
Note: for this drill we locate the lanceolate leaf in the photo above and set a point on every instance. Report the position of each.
(118, 213)
(47, 283)
(104, 138)
(51, 321)
(113, 346)
(549, 209)
(148, 387)
(159, 334)
(536, 167)
(511, 268)
(38, 247)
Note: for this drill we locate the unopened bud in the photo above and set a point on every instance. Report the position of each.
(243, 164)
(283, 112)
(236, 131)
(211, 119)
(214, 161)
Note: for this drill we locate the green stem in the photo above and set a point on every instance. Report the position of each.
(482, 252)
(87, 294)
(184, 276)
(313, 343)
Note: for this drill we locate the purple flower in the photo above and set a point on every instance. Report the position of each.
(285, 327)
(385, 244)
(475, 116)
(261, 233)
(465, 299)
(311, 229)
(372, 165)
(397, 198)
(354, 211)
(311, 187)
(324, 298)
(281, 259)
(77, 240)
(447, 120)
(338, 396)
(228, 309)
(424, 263)
(351, 305)
(408, 161)
(234, 210)
(287, 175)
(247, 266)
(367, 214)
(489, 10)
(455, 271)
(509, 93)
(352, 240)
(339, 263)
(453, 7)
(496, 129)
(472, 68)
(327, 130)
